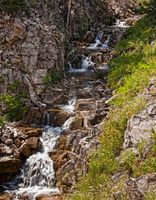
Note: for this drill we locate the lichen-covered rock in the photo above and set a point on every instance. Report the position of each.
(139, 188)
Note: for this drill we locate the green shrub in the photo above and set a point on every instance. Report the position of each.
(15, 107)
(149, 7)
(13, 5)
(2, 120)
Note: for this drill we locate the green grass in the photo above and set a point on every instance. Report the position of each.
(131, 70)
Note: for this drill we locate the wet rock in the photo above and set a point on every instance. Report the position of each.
(77, 123)
(88, 37)
(25, 150)
(9, 165)
(58, 116)
(33, 142)
(31, 132)
(6, 196)
(53, 197)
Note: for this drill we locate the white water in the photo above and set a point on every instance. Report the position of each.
(86, 61)
(98, 44)
(121, 24)
(37, 174)
(70, 108)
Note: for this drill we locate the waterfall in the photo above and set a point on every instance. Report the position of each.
(37, 174)
(98, 43)
(70, 107)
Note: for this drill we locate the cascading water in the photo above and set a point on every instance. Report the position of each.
(98, 43)
(70, 107)
(86, 62)
(37, 175)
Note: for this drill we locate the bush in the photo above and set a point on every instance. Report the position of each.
(149, 7)
(15, 107)
(13, 6)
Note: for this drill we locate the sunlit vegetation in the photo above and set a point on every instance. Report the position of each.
(134, 65)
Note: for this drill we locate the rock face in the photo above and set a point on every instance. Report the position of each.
(16, 144)
(140, 187)
(140, 130)
(142, 125)
(24, 50)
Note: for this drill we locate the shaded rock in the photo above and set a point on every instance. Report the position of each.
(9, 165)
(88, 37)
(77, 123)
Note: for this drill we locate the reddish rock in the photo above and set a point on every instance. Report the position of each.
(33, 142)
(30, 131)
(5, 196)
(25, 150)
(9, 165)
(58, 116)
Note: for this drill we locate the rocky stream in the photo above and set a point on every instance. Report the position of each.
(50, 159)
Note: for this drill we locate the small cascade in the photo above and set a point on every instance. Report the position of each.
(67, 124)
(70, 107)
(86, 63)
(121, 24)
(98, 45)
(46, 118)
(88, 67)
(37, 174)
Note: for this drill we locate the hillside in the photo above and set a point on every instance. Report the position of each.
(115, 162)
(78, 100)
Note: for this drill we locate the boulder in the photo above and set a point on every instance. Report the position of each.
(33, 142)
(25, 150)
(6, 196)
(85, 104)
(58, 116)
(9, 165)
(140, 127)
(77, 123)
(30, 131)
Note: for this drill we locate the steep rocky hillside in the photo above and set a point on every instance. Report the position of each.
(33, 38)
(124, 165)
(77, 102)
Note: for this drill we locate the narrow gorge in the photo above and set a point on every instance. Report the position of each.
(56, 64)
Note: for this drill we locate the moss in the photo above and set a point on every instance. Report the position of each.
(131, 70)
